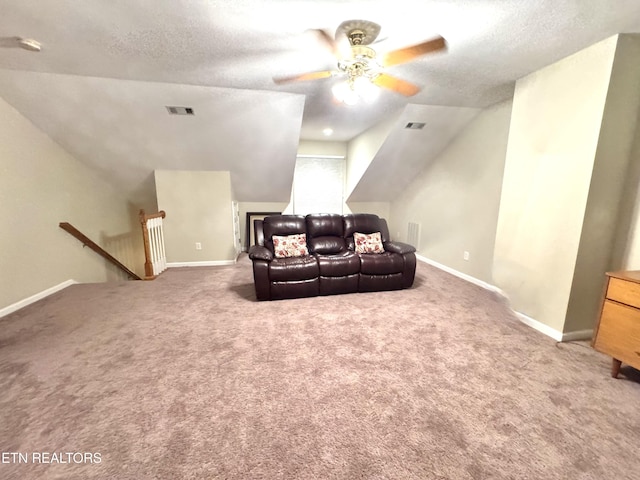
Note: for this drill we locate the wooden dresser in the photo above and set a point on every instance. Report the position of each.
(618, 330)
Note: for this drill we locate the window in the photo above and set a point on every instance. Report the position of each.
(318, 185)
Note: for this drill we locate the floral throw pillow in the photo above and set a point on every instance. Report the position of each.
(290, 245)
(368, 243)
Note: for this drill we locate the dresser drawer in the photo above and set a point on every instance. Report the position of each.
(624, 291)
(619, 333)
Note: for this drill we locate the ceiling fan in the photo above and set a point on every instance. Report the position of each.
(19, 42)
(361, 64)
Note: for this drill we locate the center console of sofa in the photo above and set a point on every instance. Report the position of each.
(298, 256)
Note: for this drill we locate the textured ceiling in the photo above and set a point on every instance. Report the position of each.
(108, 67)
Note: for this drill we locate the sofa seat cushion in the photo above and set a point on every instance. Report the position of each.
(378, 283)
(335, 285)
(293, 268)
(295, 289)
(381, 263)
(339, 265)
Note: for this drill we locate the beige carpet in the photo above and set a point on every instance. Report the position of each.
(188, 377)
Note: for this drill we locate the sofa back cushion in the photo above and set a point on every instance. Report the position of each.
(327, 245)
(325, 233)
(364, 223)
(281, 225)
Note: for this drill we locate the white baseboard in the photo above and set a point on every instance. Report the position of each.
(531, 322)
(464, 276)
(208, 263)
(34, 298)
(552, 332)
(577, 335)
(541, 327)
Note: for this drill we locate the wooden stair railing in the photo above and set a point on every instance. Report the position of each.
(87, 242)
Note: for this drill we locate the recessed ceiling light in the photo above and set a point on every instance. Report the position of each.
(327, 132)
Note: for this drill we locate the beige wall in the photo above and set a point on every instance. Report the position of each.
(600, 225)
(321, 148)
(456, 197)
(42, 185)
(627, 252)
(198, 208)
(362, 149)
(555, 125)
(127, 246)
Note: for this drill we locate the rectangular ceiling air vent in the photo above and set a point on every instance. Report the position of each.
(415, 126)
(180, 111)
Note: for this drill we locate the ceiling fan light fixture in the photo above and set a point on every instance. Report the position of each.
(344, 93)
(354, 90)
(366, 90)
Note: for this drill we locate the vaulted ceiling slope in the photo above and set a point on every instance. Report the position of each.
(122, 129)
(107, 69)
(406, 151)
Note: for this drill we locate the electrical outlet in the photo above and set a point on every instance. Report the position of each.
(198, 246)
(465, 255)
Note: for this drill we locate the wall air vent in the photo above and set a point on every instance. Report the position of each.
(414, 126)
(180, 111)
(413, 234)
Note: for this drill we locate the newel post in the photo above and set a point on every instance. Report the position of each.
(148, 265)
(154, 255)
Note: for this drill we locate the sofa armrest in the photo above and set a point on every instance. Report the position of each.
(258, 252)
(399, 247)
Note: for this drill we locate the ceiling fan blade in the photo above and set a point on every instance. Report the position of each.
(340, 47)
(396, 84)
(325, 39)
(403, 55)
(19, 42)
(9, 42)
(304, 77)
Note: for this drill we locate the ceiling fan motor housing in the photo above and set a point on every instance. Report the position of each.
(359, 32)
(356, 37)
(362, 63)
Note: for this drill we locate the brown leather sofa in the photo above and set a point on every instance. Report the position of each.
(332, 265)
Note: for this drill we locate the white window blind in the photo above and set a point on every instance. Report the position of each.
(318, 185)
